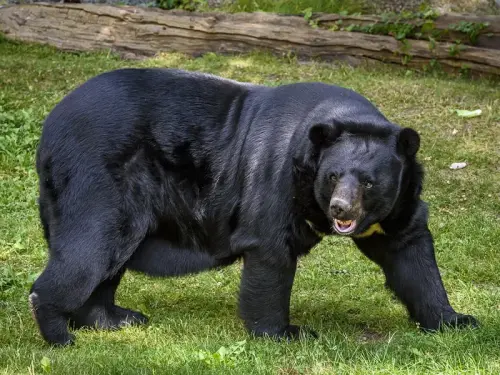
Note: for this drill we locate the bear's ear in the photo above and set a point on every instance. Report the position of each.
(408, 142)
(323, 135)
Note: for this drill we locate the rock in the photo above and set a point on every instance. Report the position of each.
(458, 165)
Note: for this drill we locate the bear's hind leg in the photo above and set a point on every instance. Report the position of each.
(84, 254)
(60, 289)
(101, 312)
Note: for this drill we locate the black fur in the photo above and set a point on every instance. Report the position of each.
(168, 172)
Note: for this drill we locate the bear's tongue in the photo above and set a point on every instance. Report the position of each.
(344, 226)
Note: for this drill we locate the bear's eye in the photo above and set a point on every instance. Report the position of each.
(333, 178)
(367, 184)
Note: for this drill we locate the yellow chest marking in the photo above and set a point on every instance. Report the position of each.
(374, 228)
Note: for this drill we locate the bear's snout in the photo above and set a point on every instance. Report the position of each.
(345, 206)
(345, 203)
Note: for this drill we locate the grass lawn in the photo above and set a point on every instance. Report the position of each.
(194, 327)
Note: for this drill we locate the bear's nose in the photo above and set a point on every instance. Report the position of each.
(339, 207)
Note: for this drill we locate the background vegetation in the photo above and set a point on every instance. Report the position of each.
(194, 328)
(332, 6)
(295, 6)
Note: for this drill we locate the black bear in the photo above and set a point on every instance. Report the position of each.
(170, 172)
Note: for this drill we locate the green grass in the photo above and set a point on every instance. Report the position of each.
(295, 6)
(337, 291)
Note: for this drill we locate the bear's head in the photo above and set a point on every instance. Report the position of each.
(361, 176)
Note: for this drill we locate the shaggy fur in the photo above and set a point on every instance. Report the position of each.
(169, 172)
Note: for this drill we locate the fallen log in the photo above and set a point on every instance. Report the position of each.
(147, 31)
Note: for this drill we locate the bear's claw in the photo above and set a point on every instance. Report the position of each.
(460, 321)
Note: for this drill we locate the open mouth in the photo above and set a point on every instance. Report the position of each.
(344, 226)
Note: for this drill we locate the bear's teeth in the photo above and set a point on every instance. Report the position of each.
(345, 223)
(344, 226)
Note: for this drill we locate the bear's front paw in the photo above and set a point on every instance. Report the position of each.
(290, 333)
(453, 320)
(459, 321)
(61, 339)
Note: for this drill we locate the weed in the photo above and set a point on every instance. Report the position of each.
(223, 356)
(471, 29)
(190, 5)
(455, 48)
(308, 17)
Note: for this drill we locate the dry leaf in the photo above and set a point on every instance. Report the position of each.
(466, 113)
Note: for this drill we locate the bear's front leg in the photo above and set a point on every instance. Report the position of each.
(266, 286)
(408, 261)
